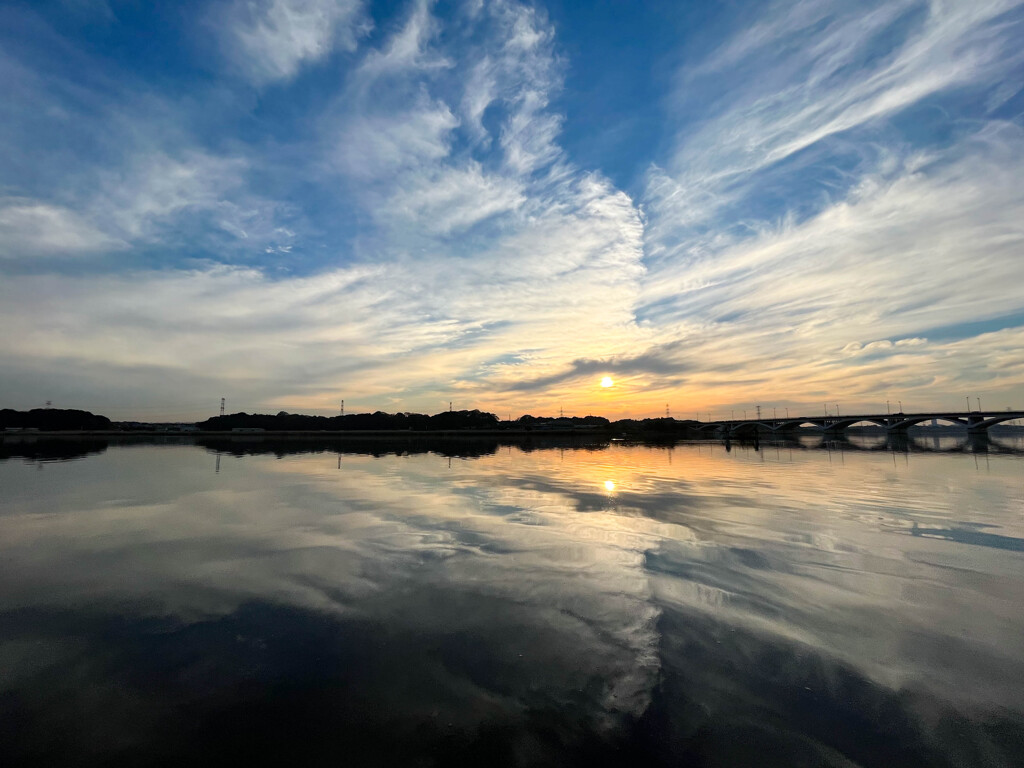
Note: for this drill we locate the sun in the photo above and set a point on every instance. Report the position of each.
(607, 382)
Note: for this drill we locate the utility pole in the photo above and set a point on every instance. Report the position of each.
(901, 405)
(968, 403)
(887, 413)
(979, 404)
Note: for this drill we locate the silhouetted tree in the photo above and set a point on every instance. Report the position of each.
(52, 419)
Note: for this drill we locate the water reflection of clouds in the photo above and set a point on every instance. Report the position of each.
(799, 557)
(346, 545)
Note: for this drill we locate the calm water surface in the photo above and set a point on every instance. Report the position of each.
(312, 604)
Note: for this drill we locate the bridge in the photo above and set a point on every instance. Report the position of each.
(976, 422)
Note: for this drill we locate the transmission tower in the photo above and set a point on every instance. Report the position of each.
(342, 407)
(222, 406)
(668, 414)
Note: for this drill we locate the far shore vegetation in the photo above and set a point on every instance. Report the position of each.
(55, 419)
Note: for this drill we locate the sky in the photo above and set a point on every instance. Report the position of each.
(722, 204)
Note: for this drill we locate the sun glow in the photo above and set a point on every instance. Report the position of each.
(609, 486)
(607, 382)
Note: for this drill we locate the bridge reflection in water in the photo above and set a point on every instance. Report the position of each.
(976, 422)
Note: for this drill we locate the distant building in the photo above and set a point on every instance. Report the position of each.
(560, 424)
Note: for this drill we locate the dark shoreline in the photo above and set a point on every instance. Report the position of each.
(681, 435)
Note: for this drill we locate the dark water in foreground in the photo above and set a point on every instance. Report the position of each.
(277, 603)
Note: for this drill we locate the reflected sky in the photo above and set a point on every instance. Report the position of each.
(689, 606)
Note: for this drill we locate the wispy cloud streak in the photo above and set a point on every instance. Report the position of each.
(270, 40)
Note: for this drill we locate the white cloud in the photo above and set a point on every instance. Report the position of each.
(398, 110)
(152, 188)
(480, 90)
(406, 50)
(273, 39)
(376, 147)
(191, 195)
(453, 199)
(101, 161)
(30, 228)
(790, 89)
(531, 73)
(934, 247)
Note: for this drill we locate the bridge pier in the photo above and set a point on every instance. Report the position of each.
(976, 425)
(978, 441)
(897, 440)
(833, 427)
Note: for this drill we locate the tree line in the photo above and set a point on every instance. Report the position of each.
(379, 420)
(419, 422)
(52, 419)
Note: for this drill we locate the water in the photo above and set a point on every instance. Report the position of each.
(314, 603)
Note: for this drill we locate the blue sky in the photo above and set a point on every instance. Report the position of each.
(718, 204)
